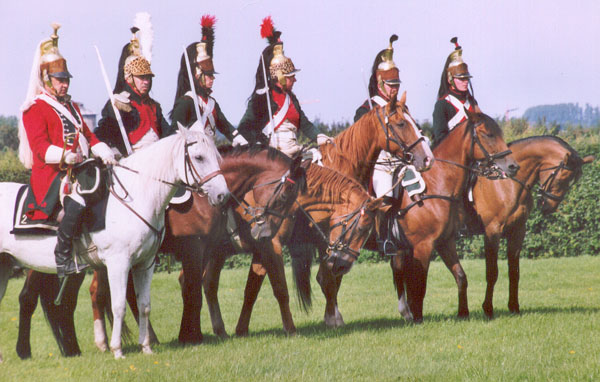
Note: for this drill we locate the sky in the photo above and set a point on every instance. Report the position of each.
(521, 53)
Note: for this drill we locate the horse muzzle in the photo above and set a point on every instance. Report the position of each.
(338, 264)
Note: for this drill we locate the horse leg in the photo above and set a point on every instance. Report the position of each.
(398, 266)
(330, 286)
(132, 302)
(211, 278)
(62, 315)
(28, 299)
(5, 272)
(256, 275)
(142, 278)
(273, 263)
(491, 245)
(447, 252)
(514, 243)
(118, 270)
(191, 293)
(98, 295)
(417, 267)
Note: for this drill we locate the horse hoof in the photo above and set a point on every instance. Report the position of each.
(463, 316)
(103, 347)
(118, 353)
(146, 349)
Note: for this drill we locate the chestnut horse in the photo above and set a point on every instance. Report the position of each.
(274, 180)
(504, 206)
(354, 153)
(432, 222)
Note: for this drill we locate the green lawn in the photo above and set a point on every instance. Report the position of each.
(556, 338)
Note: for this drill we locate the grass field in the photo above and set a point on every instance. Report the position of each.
(556, 338)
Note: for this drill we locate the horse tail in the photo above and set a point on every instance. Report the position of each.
(302, 255)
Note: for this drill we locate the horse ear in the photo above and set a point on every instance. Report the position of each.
(402, 100)
(472, 115)
(391, 105)
(375, 204)
(588, 159)
(182, 129)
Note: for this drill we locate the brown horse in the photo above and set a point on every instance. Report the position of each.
(354, 153)
(342, 214)
(432, 222)
(272, 179)
(504, 206)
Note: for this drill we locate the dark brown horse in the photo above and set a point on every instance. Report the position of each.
(432, 223)
(272, 179)
(503, 206)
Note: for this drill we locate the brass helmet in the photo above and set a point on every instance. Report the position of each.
(384, 66)
(204, 48)
(139, 51)
(52, 63)
(280, 66)
(455, 66)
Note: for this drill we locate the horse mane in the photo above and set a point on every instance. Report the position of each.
(153, 162)
(575, 160)
(350, 142)
(252, 150)
(327, 182)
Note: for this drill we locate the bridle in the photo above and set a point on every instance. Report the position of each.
(259, 214)
(487, 165)
(392, 136)
(349, 224)
(198, 182)
(544, 190)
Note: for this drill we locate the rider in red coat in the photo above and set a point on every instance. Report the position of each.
(54, 137)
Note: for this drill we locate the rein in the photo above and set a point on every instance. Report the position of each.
(199, 181)
(482, 167)
(338, 245)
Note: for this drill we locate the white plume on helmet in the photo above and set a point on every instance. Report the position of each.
(143, 22)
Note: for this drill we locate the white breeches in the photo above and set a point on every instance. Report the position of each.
(285, 140)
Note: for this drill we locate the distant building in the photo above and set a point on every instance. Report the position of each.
(89, 117)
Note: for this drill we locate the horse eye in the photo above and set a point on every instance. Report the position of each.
(199, 158)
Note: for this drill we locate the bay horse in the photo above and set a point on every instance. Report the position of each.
(272, 178)
(342, 214)
(354, 153)
(503, 206)
(431, 223)
(147, 180)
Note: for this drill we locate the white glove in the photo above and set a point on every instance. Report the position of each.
(105, 153)
(323, 139)
(73, 158)
(238, 139)
(316, 156)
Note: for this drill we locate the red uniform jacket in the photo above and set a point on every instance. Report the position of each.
(45, 127)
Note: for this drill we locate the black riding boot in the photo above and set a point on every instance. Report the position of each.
(386, 241)
(65, 264)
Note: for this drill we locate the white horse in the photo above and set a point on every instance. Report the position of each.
(147, 179)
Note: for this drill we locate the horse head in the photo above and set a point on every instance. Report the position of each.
(401, 135)
(278, 198)
(200, 165)
(348, 234)
(556, 181)
(488, 146)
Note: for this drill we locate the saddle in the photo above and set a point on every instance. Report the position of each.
(91, 184)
